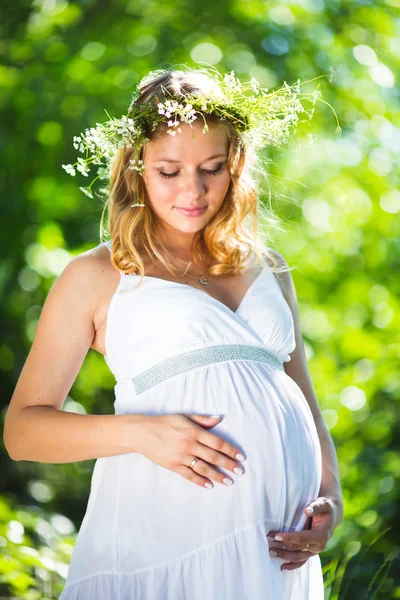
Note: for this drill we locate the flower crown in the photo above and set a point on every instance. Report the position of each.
(262, 118)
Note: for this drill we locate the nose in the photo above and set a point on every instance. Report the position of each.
(192, 185)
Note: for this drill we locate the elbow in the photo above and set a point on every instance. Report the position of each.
(9, 437)
(11, 450)
(13, 457)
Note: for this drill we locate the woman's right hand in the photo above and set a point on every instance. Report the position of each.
(174, 440)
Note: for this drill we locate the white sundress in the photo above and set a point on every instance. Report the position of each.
(149, 533)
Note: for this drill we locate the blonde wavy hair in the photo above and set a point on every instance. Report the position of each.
(230, 237)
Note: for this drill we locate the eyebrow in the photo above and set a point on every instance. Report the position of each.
(170, 160)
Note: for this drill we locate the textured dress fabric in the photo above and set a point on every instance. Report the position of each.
(149, 533)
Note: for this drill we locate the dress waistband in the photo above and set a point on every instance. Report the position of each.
(192, 359)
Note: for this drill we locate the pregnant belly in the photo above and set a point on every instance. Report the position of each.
(264, 414)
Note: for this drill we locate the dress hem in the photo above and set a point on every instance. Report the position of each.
(266, 524)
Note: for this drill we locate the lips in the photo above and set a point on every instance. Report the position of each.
(190, 207)
(191, 211)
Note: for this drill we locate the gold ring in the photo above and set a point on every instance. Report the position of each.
(306, 546)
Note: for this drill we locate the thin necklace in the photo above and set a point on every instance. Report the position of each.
(202, 279)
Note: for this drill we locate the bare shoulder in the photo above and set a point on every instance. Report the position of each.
(92, 272)
(93, 261)
(91, 269)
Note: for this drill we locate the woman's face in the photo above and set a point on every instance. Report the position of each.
(181, 172)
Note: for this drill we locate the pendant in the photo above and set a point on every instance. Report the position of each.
(203, 281)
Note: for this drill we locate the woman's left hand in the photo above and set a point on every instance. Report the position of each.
(326, 514)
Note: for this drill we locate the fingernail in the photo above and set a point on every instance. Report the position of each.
(227, 481)
(272, 553)
(208, 485)
(310, 509)
(240, 456)
(215, 416)
(279, 538)
(238, 471)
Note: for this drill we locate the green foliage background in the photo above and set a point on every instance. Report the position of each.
(62, 64)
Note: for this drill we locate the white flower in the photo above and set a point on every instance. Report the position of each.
(255, 85)
(137, 165)
(332, 72)
(86, 191)
(78, 143)
(82, 166)
(232, 82)
(69, 169)
(103, 172)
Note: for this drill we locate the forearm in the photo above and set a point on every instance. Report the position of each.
(330, 481)
(48, 435)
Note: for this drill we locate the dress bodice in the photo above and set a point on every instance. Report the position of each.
(150, 322)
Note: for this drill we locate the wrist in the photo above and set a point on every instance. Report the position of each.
(131, 432)
(336, 500)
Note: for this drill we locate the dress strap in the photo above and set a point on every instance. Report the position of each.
(266, 264)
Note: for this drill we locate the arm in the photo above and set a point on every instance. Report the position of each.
(36, 428)
(297, 369)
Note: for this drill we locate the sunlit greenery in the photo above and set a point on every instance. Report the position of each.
(65, 63)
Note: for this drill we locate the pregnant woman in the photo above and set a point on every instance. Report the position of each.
(206, 474)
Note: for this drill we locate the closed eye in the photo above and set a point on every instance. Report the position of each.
(209, 172)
